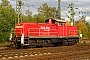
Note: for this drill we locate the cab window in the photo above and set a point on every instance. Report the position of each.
(60, 23)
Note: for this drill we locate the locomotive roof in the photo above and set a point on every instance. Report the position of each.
(56, 20)
(59, 20)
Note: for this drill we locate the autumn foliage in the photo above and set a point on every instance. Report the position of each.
(84, 29)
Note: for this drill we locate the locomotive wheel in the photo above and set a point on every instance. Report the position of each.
(68, 42)
(71, 42)
(75, 42)
(65, 42)
(32, 45)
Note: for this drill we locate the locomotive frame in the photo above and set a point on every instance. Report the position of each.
(53, 32)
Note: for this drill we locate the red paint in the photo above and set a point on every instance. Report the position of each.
(51, 28)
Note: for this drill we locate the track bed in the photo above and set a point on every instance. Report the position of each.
(75, 52)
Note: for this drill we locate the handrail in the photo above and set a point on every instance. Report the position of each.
(74, 32)
(42, 31)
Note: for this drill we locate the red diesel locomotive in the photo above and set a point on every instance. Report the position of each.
(53, 32)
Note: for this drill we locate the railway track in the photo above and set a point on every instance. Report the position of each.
(76, 52)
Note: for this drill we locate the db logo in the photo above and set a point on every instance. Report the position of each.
(46, 28)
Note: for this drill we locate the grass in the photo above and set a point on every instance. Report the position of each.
(5, 44)
(84, 41)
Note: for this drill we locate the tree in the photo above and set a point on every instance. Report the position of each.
(83, 28)
(47, 11)
(28, 13)
(28, 16)
(39, 18)
(68, 23)
(83, 19)
(5, 3)
(88, 26)
(7, 21)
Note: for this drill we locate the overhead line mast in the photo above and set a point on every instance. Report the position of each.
(72, 13)
(59, 9)
(19, 10)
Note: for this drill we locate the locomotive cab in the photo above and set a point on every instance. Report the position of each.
(61, 22)
(56, 22)
(50, 21)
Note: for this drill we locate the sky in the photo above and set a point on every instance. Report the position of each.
(82, 5)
